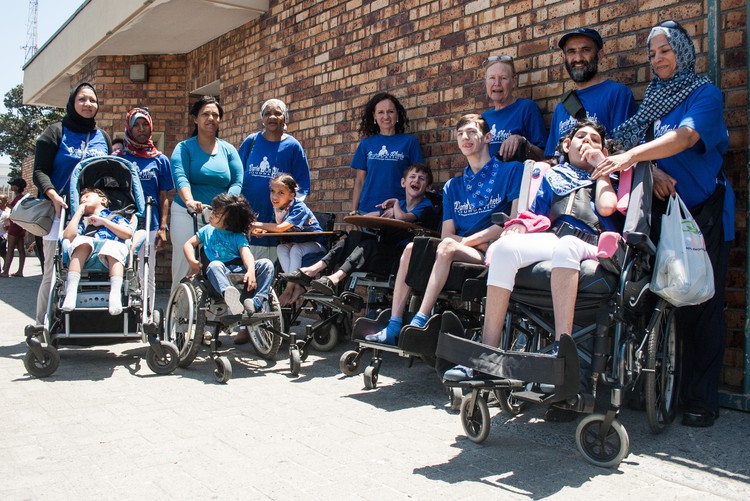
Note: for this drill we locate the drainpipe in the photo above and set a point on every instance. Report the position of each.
(746, 362)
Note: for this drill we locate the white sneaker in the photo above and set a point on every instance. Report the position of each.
(232, 298)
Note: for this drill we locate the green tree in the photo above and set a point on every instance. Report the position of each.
(20, 125)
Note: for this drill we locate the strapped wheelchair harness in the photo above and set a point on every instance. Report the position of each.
(577, 204)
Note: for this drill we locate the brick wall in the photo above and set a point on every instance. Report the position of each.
(326, 58)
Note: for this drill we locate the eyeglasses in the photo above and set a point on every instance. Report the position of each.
(501, 59)
(675, 26)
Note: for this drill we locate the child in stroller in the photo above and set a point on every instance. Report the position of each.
(96, 233)
(227, 249)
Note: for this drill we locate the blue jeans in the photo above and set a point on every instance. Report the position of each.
(217, 275)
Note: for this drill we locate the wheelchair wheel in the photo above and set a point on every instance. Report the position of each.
(371, 377)
(662, 372)
(607, 451)
(265, 342)
(184, 322)
(326, 339)
(223, 371)
(295, 361)
(349, 364)
(508, 403)
(168, 364)
(42, 368)
(455, 398)
(476, 425)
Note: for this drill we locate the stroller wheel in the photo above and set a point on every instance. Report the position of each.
(42, 368)
(349, 363)
(476, 420)
(165, 365)
(606, 451)
(223, 371)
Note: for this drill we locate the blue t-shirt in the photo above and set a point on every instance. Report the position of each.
(102, 232)
(384, 159)
(418, 209)
(471, 199)
(69, 155)
(542, 203)
(696, 168)
(523, 117)
(263, 160)
(221, 245)
(609, 103)
(302, 219)
(206, 175)
(156, 176)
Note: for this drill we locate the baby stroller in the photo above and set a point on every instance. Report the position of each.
(90, 322)
(623, 333)
(197, 314)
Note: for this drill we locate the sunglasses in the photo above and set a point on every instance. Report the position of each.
(495, 59)
(675, 26)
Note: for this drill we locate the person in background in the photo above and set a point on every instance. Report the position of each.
(156, 181)
(382, 154)
(118, 141)
(16, 234)
(686, 114)
(4, 223)
(265, 155)
(516, 124)
(203, 167)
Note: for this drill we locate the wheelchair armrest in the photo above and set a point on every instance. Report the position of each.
(500, 218)
(641, 242)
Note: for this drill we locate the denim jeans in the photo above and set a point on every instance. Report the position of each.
(264, 272)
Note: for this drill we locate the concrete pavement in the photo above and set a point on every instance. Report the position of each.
(104, 427)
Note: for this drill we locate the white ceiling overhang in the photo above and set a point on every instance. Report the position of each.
(128, 27)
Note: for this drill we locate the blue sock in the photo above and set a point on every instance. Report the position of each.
(388, 334)
(419, 320)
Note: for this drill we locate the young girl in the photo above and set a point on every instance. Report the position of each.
(291, 215)
(102, 235)
(224, 240)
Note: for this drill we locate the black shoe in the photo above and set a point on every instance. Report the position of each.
(698, 418)
(324, 286)
(297, 277)
(558, 415)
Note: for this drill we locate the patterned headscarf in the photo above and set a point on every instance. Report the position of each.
(280, 104)
(662, 96)
(146, 150)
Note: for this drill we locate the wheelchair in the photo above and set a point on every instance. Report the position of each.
(90, 322)
(196, 315)
(624, 338)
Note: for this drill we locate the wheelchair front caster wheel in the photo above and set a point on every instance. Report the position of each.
(476, 419)
(165, 365)
(45, 367)
(349, 364)
(508, 403)
(371, 378)
(455, 398)
(295, 362)
(326, 338)
(303, 350)
(607, 449)
(223, 371)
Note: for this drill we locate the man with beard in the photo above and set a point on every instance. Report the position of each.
(604, 101)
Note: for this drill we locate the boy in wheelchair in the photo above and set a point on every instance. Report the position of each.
(95, 233)
(227, 249)
(579, 210)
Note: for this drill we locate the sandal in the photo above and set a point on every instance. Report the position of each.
(297, 277)
(17, 274)
(324, 285)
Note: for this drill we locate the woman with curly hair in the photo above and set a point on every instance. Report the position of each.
(383, 154)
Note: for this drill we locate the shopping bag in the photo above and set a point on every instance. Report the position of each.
(34, 215)
(682, 274)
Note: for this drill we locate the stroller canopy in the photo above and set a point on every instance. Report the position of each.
(116, 177)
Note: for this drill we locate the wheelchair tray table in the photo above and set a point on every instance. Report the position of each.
(382, 223)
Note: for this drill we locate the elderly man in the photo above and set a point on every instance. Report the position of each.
(594, 97)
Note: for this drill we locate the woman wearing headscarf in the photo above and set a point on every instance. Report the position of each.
(156, 181)
(203, 166)
(58, 150)
(265, 155)
(683, 112)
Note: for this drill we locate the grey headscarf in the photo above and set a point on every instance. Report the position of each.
(280, 104)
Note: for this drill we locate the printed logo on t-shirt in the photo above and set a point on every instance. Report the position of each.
(499, 136)
(90, 152)
(384, 154)
(468, 208)
(147, 175)
(660, 130)
(264, 169)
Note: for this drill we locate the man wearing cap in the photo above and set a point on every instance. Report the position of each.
(606, 101)
(16, 234)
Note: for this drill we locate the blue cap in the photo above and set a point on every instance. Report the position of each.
(582, 32)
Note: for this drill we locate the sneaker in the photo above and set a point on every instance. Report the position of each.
(459, 373)
(232, 298)
(297, 277)
(324, 286)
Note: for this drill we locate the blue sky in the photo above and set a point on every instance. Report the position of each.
(13, 25)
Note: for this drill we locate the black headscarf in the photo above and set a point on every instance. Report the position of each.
(72, 120)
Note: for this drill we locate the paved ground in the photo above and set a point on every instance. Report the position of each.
(104, 427)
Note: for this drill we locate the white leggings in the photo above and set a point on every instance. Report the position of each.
(290, 255)
(513, 252)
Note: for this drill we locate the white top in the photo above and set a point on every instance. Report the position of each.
(4, 222)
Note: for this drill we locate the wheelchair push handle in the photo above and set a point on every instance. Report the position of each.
(204, 213)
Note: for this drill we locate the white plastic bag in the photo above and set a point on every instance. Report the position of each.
(682, 274)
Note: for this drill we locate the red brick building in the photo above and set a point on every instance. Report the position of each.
(326, 58)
